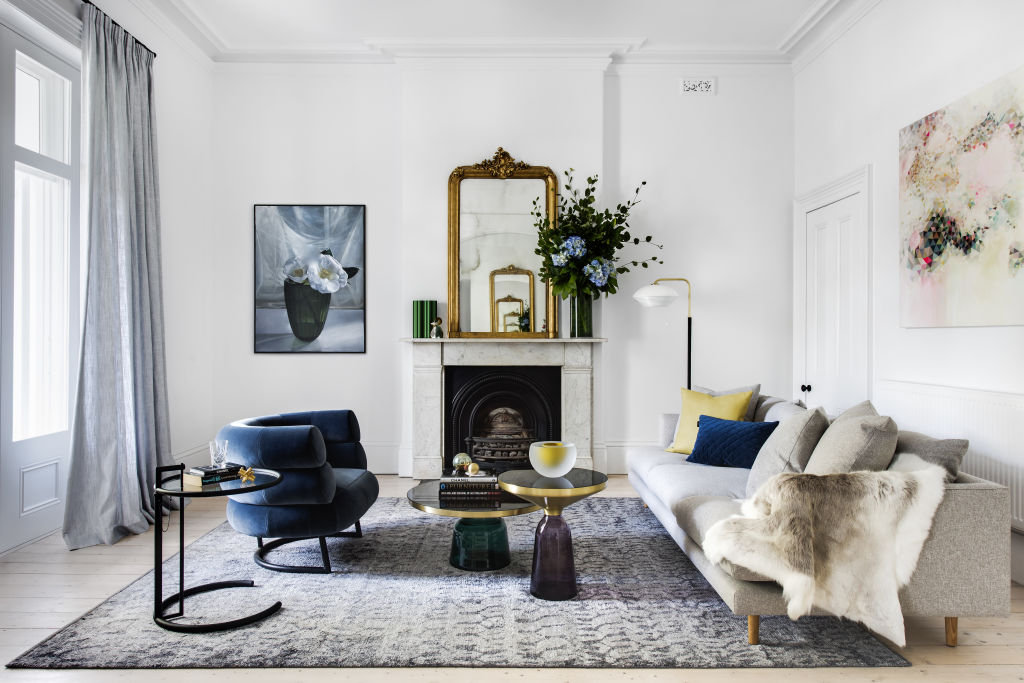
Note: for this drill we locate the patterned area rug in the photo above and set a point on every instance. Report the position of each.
(393, 600)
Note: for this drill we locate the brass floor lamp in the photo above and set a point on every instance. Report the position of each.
(662, 295)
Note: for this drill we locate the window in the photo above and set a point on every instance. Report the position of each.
(41, 300)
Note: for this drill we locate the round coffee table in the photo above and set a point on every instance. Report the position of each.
(554, 570)
(480, 538)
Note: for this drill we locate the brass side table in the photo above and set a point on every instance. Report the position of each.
(554, 569)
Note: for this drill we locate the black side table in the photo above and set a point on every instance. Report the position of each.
(171, 486)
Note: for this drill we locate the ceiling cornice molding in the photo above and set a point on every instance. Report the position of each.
(826, 30)
(811, 18)
(357, 54)
(505, 48)
(192, 25)
(680, 56)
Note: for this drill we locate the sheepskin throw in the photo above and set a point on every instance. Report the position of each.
(845, 543)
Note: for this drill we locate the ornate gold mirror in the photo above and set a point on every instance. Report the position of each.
(491, 243)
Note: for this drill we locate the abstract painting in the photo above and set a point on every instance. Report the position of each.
(310, 274)
(961, 211)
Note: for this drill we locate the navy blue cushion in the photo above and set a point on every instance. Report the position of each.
(729, 443)
(281, 447)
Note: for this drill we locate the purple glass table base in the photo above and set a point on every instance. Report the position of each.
(554, 570)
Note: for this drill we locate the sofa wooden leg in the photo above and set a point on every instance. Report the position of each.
(951, 623)
(754, 629)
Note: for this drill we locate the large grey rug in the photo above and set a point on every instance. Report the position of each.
(393, 600)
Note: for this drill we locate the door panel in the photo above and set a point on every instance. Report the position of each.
(39, 284)
(837, 323)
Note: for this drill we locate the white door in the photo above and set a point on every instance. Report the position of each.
(39, 284)
(837, 335)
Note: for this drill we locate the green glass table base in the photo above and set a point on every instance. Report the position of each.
(480, 544)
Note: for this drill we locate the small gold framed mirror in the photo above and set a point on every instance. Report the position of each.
(508, 286)
(491, 241)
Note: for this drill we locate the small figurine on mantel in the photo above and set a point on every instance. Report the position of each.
(435, 329)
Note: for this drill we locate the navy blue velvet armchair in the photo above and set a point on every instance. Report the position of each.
(325, 486)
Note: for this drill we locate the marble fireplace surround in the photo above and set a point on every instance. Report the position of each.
(430, 357)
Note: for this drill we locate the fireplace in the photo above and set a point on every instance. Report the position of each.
(570, 403)
(495, 412)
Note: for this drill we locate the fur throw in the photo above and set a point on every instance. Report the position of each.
(845, 543)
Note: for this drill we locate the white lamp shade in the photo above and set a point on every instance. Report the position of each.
(655, 295)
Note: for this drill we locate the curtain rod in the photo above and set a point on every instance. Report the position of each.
(140, 43)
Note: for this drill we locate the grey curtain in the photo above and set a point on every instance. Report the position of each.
(120, 431)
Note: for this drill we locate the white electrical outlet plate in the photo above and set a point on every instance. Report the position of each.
(699, 86)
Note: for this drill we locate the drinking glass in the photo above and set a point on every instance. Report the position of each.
(218, 453)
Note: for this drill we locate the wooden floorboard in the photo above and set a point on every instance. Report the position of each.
(43, 587)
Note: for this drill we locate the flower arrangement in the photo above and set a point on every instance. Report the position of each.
(323, 273)
(579, 251)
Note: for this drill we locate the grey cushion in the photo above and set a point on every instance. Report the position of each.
(862, 409)
(781, 410)
(854, 443)
(697, 514)
(765, 403)
(674, 482)
(754, 389)
(946, 453)
(641, 460)
(788, 448)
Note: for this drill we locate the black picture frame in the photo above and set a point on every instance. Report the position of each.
(293, 316)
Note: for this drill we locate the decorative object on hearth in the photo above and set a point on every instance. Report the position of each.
(656, 295)
(424, 312)
(580, 249)
(435, 329)
(491, 248)
(307, 295)
(961, 207)
(504, 439)
(552, 458)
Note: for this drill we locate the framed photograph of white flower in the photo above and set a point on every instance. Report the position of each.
(310, 278)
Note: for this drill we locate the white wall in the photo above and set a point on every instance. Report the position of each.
(389, 136)
(184, 98)
(306, 134)
(718, 196)
(904, 60)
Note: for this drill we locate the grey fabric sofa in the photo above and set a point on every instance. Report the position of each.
(963, 570)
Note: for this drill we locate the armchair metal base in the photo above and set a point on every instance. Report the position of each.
(260, 555)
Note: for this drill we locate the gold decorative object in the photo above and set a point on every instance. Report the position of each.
(472, 468)
(501, 168)
(502, 165)
(246, 474)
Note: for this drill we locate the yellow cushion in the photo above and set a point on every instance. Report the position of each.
(695, 404)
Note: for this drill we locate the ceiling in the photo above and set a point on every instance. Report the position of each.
(251, 30)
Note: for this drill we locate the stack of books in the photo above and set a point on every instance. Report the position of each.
(482, 487)
(210, 474)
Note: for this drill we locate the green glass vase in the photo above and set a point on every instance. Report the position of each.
(581, 316)
(307, 310)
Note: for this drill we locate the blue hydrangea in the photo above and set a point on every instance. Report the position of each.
(560, 259)
(575, 246)
(597, 271)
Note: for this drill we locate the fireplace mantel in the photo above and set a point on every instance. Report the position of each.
(575, 356)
